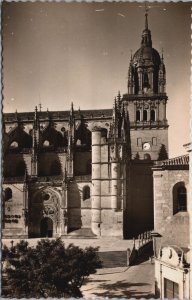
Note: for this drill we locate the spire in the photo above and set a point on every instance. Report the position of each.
(162, 57)
(25, 176)
(17, 118)
(115, 108)
(146, 17)
(131, 56)
(146, 35)
(72, 110)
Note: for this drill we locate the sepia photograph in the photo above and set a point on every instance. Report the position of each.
(95, 150)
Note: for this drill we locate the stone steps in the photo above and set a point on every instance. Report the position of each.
(113, 259)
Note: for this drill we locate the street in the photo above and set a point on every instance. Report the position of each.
(135, 281)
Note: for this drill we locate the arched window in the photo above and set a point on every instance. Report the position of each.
(145, 115)
(152, 115)
(182, 198)
(86, 192)
(55, 168)
(138, 115)
(8, 194)
(147, 156)
(179, 197)
(146, 81)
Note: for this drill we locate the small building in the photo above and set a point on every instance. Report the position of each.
(171, 224)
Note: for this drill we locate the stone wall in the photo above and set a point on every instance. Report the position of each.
(153, 136)
(139, 206)
(174, 228)
(13, 212)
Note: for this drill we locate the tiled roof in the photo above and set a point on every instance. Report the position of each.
(176, 161)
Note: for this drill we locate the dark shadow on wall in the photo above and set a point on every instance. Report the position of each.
(49, 164)
(138, 217)
(14, 165)
(74, 208)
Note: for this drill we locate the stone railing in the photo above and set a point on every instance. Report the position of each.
(140, 245)
(83, 178)
(148, 123)
(13, 179)
(176, 161)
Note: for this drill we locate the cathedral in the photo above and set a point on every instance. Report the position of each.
(88, 173)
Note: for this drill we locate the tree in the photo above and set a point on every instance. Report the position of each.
(48, 270)
(163, 153)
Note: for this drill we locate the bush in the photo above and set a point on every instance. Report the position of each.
(49, 269)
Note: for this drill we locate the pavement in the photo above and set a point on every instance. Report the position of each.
(115, 279)
(104, 244)
(125, 282)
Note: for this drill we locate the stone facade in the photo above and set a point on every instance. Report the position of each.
(171, 225)
(88, 172)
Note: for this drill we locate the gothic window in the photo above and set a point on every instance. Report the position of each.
(138, 115)
(86, 192)
(152, 115)
(179, 197)
(7, 194)
(20, 169)
(145, 115)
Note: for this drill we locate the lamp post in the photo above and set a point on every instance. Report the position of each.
(155, 235)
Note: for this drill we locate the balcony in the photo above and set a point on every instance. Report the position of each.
(149, 124)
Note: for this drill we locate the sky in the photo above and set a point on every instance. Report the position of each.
(58, 53)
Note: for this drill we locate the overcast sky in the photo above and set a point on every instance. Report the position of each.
(55, 53)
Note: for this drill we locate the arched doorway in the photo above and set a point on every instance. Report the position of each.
(46, 227)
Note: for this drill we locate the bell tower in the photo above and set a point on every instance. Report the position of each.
(146, 100)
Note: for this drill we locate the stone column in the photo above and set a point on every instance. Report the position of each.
(96, 181)
(114, 184)
(140, 77)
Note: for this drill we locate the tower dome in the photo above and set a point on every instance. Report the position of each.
(146, 55)
(145, 65)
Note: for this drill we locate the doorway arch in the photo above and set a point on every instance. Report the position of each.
(46, 227)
